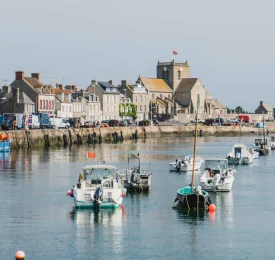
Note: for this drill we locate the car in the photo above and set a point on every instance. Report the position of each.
(233, 120)
(193, 121)
(88, 124)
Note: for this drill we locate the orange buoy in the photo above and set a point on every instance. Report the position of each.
(212, 208)
(20, 255)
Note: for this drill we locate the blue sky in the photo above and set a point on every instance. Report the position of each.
(228, 44)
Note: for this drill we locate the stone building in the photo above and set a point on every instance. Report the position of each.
(138, 95)
(109, 98)
(265, 109)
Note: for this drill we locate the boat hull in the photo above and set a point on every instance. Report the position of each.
(226, 187)
(137, 187)
(90, 204)
(4, 147)
(185, 167)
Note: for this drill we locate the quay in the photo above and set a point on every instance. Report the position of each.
(77, 136)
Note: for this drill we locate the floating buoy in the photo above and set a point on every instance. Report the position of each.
(69, 192)
(123, 195)
(19, 255)
(212, 208)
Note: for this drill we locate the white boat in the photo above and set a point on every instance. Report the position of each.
(254, 153)
(239, 155)
(272, 142)
(133, 178)
(262, 146)
(217, 176)
(185, 164)
(98, 188)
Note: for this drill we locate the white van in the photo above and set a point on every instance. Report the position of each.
(59, 123)
(35, 122)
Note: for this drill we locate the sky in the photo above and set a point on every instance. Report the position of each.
(229, 45)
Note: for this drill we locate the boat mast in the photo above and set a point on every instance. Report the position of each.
(195, 141)
(264, 132)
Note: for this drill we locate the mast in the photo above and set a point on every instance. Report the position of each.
(264, 133)
(195, 141)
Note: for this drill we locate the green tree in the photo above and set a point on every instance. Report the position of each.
(239, 110)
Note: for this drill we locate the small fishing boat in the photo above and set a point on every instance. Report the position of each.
(133, 178)
(192, 197)
(217, 176)
(262, 145)
(185, 164)
(240, 155)
(98, 188)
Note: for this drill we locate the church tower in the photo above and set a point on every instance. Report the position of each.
(173, 72)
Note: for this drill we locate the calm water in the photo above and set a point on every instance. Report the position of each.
(38, 218)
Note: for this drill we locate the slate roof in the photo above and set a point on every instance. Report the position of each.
(186, 85)
(34, 82)
(155, 85)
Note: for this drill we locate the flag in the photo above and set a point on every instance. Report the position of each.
(90, 155)
(175, 53)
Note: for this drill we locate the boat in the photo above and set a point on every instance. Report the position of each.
(5, 146)
(5, 143)
(192, 197)
(272, 141)
(185, 164)
(239, 155)
(217, 176)
(262, 145)
(133, 178)
(98, 188)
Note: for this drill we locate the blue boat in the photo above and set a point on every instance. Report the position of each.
(5, 146)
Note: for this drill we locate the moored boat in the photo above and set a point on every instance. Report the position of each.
(193, 197)
(185, 164)
(239, 155)
(98, 188)
(133, 178)
(217, 176)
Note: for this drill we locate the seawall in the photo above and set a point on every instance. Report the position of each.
(64, 137)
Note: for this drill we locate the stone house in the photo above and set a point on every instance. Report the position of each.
(265, 109)
(35, 91)
(138, 95)
(15, 101)
(159, 97)
(109, 98)
(92, 105)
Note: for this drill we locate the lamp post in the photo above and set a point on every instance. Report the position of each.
(125, 101)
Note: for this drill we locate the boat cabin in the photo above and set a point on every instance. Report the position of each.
(259, 142)
(272, 138)
(239, 151)
(99, 175)
(216, 166)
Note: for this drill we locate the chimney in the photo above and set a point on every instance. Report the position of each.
(261, 103)
(15, 99)
(60, 86)
(36, 75)
(123, 83)
(94, 82)
(19, 75)
(111, 82)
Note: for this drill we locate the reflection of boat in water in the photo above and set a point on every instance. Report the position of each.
(104, 216)
(192, 214)
(98, 188)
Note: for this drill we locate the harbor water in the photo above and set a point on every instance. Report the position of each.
(37, 217)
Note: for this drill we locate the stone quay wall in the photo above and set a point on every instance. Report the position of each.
(64, 137)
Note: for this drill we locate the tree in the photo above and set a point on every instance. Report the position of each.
(239, 110)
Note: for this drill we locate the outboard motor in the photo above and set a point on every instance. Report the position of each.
(178, 165)
(97, 196)
(133, 176)
(216, 179)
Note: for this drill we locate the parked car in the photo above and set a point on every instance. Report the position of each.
(113, 123)
(88, 124)
(193, 121)
(209, 121)
(233, 120)
(144, 123)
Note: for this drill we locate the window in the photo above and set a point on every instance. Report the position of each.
(40, 104)
(163, 74)
(114, 109)
(153, 96)
(179, 76)
(114, 99)
(62, 108)
(122, 108)
(47, 103)
(107, 98)
(52, 104)
(43, 104)
(167, 75)
(70, 109)
(140, 108)
(136, 99)
(140, 98)
(169, 96)
(160, 96)
(145, 108)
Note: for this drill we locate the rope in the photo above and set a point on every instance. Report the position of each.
(187, 202)
(140, 186)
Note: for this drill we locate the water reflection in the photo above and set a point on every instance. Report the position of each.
(192, 216)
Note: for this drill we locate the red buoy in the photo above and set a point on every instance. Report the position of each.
(212, 208)
(69, 192)
(20, 255)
